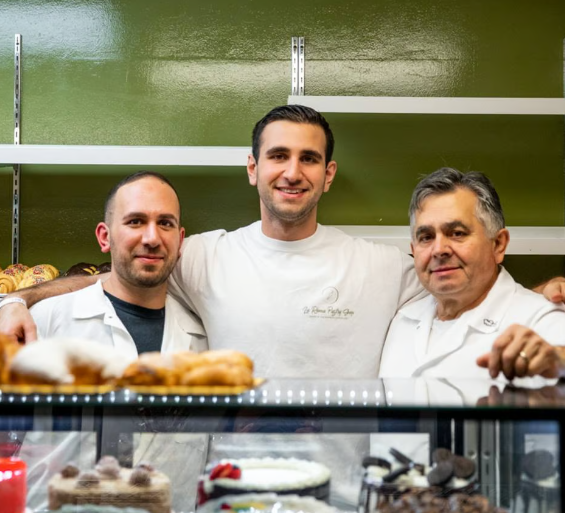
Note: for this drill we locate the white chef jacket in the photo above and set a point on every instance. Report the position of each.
(88, 313)
(507, 303)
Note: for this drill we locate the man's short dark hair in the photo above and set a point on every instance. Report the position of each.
(295, 114)
(139, 175)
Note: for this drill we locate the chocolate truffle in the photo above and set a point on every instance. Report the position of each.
(70, 470)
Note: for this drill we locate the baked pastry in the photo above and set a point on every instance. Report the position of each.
(149, 369)
(46, 270)
(32, 280)
(8, 283)
(8, 349)
(219, 374)
(226, 356)
(17, 267)
(11, 277)
(37, 274)
(209, 368)
(66, 361)
(258, 475)
(82, 269)
(110, 485)
(106, 267)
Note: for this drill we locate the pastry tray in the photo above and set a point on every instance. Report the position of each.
(105, 389)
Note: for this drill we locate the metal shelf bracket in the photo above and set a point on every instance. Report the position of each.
(297, 66)
(17, 170)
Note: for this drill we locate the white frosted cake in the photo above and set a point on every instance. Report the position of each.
(257, 475)
(265, 503)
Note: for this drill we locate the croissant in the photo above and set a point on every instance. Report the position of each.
(30, 280)
(151, 368)
(7, 283)
(45, 270)
(221, 374)
(16, 271)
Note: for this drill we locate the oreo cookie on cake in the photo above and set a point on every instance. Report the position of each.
(540, 482)
(404, 482)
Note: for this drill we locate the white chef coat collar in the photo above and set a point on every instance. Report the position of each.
(92, 304)
(95, 304)
(185, 319)
(485, 317)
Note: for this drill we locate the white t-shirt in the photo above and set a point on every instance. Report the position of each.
(318, 307)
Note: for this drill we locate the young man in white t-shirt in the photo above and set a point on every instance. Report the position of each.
(300, 298)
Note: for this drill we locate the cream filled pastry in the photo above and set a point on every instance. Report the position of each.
(66, 361)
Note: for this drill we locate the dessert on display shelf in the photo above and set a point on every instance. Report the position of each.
(108, 484)
(266, 503)
(403, 485)
(74, 361)
(261, 475)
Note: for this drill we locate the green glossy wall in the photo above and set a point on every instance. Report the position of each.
(201, 72)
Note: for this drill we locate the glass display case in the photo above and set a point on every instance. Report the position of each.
(507, 439)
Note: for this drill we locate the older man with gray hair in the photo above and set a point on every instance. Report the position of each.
(477, 320)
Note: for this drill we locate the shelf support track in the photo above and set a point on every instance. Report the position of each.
(17, 169)
(297, 66)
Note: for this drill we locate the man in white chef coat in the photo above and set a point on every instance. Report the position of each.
(477, 322)
(130, 310)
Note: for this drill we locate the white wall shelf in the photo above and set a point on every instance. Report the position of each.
(124, 155)
(431, 105)
(524, 240)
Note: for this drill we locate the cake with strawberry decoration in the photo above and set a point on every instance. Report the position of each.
(260, 475)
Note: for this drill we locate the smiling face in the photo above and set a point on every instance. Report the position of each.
(291, 175)
(144, 233)
(455, 259)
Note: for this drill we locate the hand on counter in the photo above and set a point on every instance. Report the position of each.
(521, 352)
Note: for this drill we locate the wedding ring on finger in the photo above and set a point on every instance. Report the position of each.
(523, 355)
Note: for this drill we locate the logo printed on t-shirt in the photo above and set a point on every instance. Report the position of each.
(324, 308)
